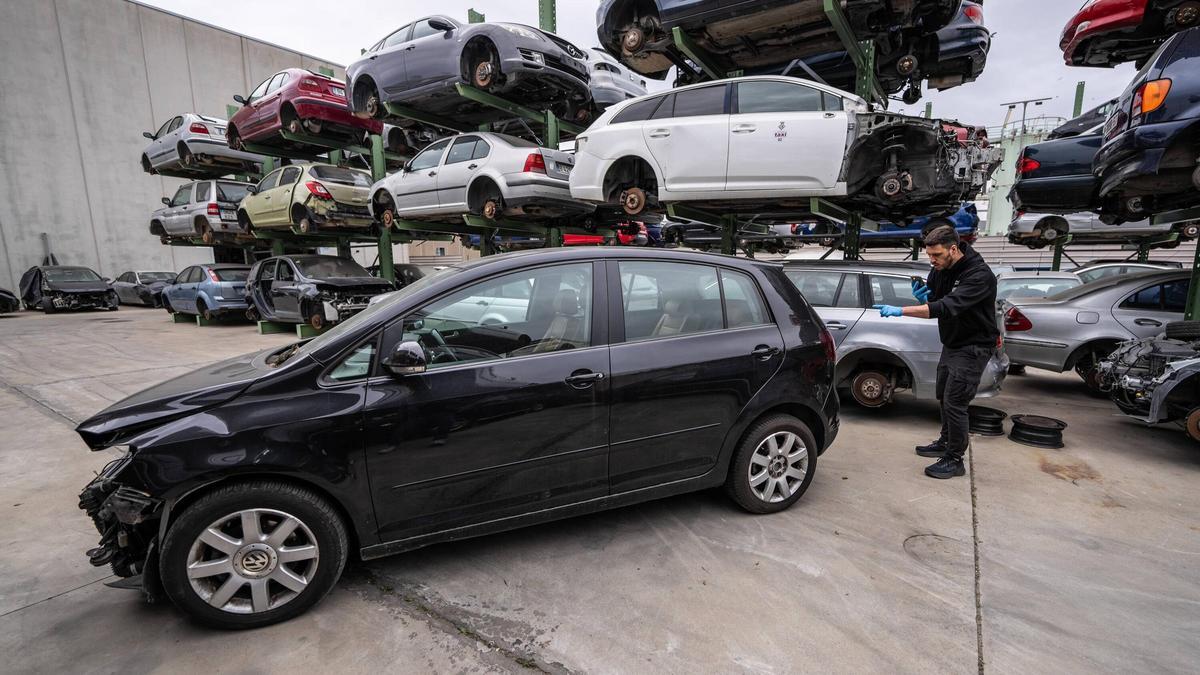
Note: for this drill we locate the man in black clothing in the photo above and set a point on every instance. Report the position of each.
(961, 295)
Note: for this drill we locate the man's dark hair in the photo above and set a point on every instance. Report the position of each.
(943, 235)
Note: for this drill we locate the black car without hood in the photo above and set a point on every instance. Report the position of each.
(319, 290)
(51, 288)
(473, 401)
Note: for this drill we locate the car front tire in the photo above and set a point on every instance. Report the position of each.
(773, 466)
(253, 554)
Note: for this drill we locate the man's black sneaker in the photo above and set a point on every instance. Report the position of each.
(945, 468)
(934, 449)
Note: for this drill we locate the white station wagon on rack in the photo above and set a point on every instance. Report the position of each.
(773, 142)
(487, 174)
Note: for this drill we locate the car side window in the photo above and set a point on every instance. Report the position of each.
(197, 275)
(260, 90)
(175, 124)
(277, 82)
(773, 97)
(182, 276)
(890, 290)
(533, 311)
(267, 273)
(666, 110)
(819, 288)
(849, 295)
(269, 180)
(290, 175)
(833, 101)
(181, 195)
(285, 272)
(202, 190)
(702, 101)
(637, 112)
(429, 157)
(681, 303)
(398, 37)
(423, 29)
(481, 149)
(162, 131)
(356, 366)
(744, 305)
(1146, 298)
(462, 150)
(1175, 296)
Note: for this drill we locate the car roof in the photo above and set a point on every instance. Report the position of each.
(1035, 274)
(586, 253)
(758, 78)
(1109, 283)
(859, 265)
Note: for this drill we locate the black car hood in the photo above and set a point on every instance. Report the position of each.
(175, 398)
(77, 286)
(156, 287)
(347, 282)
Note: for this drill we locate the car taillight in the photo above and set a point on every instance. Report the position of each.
(535, 163)
(974, 13)
(213, 209)
(1020, 213)
(213, 275)
(1150, 97)
(1014, 320)
(1027, 165)
(310, 84)
(198, 128)
(828, 345)
(318, 190)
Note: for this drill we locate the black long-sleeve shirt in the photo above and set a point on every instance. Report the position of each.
(963, 300)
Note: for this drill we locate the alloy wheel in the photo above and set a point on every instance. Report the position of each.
(778, 466)
(252, 561)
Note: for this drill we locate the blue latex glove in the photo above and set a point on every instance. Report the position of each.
(920, 291)
(889, 310)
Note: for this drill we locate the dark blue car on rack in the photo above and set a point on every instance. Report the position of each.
(1148, 163)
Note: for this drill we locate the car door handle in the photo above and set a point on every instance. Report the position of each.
(835, 325)
(481, 303)
(744, 129)
(829, 116)
(660, 133)
(373, 57)
(431, 173)
(582, 379)
(764, 352)
(410, 48)
(1147, 322)
(472, 166)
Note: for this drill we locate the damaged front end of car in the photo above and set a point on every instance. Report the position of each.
(899, 166)
(76, 300)
(338, 303)
(1156, 380)
(127, 519)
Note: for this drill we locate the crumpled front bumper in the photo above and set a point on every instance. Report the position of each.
(125, 518)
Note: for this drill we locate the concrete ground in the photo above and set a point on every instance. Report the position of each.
(1084, 559)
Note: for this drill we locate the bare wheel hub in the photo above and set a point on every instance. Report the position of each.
(1192, 424)
(485, 72)
(890, 186)
(388, 218)
(633, 40)
(1187, 14)
(295, 126)
(491, 209)
(633, 201)
(372, 106)
(906, 65)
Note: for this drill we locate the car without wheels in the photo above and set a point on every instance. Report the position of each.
(1106, 33)
(1077, 328)
(193, 146)
(1102, 269)
(210, 291)
(308, 197)
(1157, 379)
(491, 175)
(878, 357)
(54, 288)
(206, 210)
(610, 80)
(419, 64)
(297, 102)
(1039, 230)
(141, 288)
(770, 143)
(319, 290)
(247, 484)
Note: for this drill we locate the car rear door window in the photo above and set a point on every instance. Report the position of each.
(890, 290)
(1175, 296)
(290, 175)
(429, 157)
(701, 101)
(277, 82)
(462, 150)
(849, 294)
(202, 190)
(1146, 298)
(181, 195)
(638, 111)
(819, 287)
(771, 97)
(682, 302)
(481, 149)
(666, 110)
(744, 304)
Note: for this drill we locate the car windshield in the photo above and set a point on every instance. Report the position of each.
(231, 192)
(1033, 287)
(232, 274)
(342, 175)
(69, 274)
(351, 324)
(150, 277)
(329, 267)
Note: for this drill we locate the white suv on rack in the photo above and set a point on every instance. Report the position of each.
(747, 143)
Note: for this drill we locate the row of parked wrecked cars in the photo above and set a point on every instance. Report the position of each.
(767, 138)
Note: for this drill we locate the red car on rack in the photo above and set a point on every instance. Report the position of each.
(1106, 33)
(300, 102)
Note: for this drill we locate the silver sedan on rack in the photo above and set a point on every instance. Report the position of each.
(193, 146)
(487, 174)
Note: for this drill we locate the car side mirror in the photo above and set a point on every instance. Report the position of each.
(439, 24)
(147, 134)
(166, 202)
(251, 189)
(408, 358)
(240, 99)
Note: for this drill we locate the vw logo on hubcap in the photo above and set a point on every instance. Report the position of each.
(255, 560)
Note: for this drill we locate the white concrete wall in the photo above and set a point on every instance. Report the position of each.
(81, 81)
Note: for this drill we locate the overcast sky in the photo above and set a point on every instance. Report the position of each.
(1024, 63)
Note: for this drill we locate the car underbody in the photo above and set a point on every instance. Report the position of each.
(1156, 380)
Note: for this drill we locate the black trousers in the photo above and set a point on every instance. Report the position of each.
(958, 373)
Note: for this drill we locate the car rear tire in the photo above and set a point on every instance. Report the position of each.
(253, 554)
(871, 389)
(773, 466)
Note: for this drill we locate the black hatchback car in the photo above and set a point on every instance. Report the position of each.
(615, 377)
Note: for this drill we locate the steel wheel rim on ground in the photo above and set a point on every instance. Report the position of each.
(780, 457)
(255, 571)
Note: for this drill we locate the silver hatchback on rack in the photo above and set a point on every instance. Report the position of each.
(206, 209)
(194, 146)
